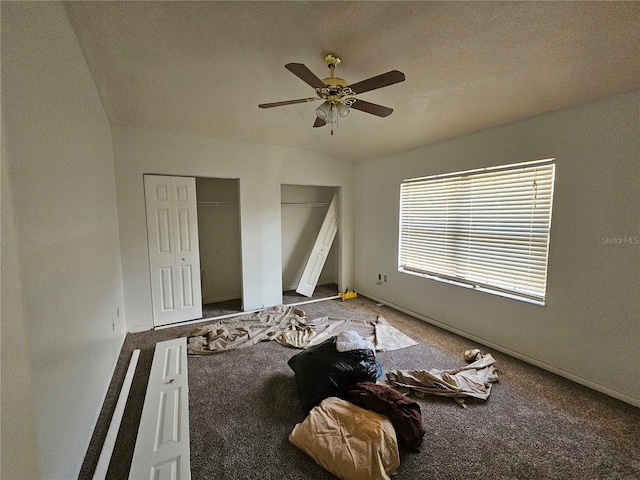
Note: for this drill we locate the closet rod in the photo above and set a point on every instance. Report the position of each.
(302, 204)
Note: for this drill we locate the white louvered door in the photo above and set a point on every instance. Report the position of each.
(174, 253)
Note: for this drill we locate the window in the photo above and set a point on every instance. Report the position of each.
(486, 229)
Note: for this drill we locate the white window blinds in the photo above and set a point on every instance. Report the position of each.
(486, 228)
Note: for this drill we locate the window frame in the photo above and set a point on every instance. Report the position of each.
(441, 237)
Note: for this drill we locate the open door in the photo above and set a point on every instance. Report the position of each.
(174, 253)
(321, 248)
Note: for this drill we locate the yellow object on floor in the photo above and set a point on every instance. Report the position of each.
(349, 294)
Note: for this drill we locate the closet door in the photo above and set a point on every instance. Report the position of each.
(174, 253)
(321, 248)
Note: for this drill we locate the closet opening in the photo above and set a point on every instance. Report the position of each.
(304, 208)
(220, 246)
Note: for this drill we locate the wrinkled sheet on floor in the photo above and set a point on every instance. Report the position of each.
(472, 380)
(351, 442)
(289, 326)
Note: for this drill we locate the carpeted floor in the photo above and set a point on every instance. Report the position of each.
(244, 403)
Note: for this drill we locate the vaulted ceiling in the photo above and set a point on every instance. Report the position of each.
(205, 66)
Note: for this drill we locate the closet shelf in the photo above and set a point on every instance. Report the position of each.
(215, 204)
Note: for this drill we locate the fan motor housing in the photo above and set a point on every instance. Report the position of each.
(335, 81)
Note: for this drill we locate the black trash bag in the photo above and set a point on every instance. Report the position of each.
(322, 371)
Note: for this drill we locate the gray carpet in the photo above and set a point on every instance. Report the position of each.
(244, 403)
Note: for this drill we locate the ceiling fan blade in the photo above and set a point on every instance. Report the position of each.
(372, 108)
(379, 81)
(319, 123)
(303, 73)
(288, 102)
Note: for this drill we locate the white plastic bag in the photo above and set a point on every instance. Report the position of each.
(350, 340)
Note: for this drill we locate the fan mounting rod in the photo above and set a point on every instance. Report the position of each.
(335, 87)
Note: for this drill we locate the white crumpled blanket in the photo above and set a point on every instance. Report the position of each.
(472, 380)
(289, 326)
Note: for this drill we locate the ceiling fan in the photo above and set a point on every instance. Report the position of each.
(337, 93)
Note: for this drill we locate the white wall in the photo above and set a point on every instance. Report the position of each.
(261, 170)
(18, 435)
(589, 329)
(60, 243)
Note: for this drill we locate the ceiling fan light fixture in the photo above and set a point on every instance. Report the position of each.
(328, 112)
(333, 114)
(323, 111)
(343, 110)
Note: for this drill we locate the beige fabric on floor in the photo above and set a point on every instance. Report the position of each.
(379, 333)
(473, 380)
(243, 331)
(390, 338)
(288, 326)
(349, 441)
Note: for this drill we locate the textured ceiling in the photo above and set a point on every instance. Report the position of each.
(205, 66)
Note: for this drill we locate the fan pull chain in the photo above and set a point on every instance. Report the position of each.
(337, 117)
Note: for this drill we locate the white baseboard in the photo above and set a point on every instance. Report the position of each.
(550, 368)
(208, 319)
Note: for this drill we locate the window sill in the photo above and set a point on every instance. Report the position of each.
(477, 288)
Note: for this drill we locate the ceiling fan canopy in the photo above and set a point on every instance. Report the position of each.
(337, 94)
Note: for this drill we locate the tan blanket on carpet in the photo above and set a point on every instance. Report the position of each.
(289, 326)
(472, 380)
(349, 441)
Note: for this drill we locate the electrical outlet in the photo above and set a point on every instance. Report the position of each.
(113, 319)
(379, 276)
(385, 278)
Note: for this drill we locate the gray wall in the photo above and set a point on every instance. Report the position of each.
(219, 235)
(62, 290)
(589, 329)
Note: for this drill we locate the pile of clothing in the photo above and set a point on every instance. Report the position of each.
(354, 427)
